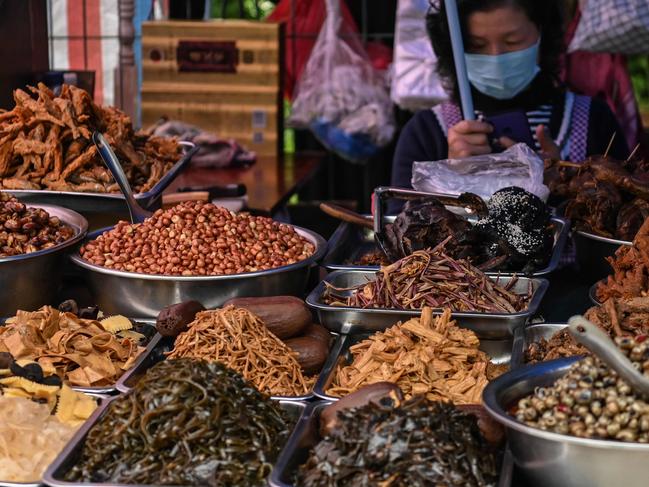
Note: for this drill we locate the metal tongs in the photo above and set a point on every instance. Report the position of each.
(598, 342)
(471, 203)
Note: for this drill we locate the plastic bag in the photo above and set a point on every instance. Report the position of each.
(415, 84)
(616, 26)
(341, 97)
(483, 175)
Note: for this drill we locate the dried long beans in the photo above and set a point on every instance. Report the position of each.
(431, 278)
(187, 422)
(241, 341)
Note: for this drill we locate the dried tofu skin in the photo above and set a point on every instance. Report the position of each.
(428, 355)
(81, 352)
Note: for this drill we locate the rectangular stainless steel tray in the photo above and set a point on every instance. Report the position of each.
(527, 335)
(101, 399)
(350, 242)
(113, 389)
(70, 455)
(357, 320)
(499, 351)
(306, 435)
(106, 202)
(157, 354)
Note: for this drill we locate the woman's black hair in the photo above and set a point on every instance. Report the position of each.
(547, 15)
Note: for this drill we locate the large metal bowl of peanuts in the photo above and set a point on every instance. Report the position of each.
(198, 251)
(34, 242)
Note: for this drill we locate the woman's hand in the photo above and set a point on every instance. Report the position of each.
(469, 138)
(549, 150)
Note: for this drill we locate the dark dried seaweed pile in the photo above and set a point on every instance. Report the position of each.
(185, 423)
(431, 278)
(419, 443)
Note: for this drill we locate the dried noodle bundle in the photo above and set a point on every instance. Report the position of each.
(241, 341)
(427, 355)
(81, 352)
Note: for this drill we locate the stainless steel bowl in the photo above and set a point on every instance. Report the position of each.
(29, 281)
(131, 294)
(551, 459)
(592, 251)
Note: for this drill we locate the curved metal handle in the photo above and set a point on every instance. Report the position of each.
(598, 342)
(138, 214)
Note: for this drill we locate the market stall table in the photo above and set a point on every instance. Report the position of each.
(270, 181)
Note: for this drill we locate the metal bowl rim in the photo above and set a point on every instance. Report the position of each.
(592, 292)
(599, 238)
(70, 217)
(494, 408)
(320, 249)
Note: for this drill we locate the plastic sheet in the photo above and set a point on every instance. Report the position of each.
(483, 175)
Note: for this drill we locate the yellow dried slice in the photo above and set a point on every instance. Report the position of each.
(116, 323)
(132, 335)
(40, 390)
(74, 407)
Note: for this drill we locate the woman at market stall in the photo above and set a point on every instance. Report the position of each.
(512, 52)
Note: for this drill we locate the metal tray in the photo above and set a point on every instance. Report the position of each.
(70, 455)
(106, 202)
(499, 351)
(156, 354)
(350, 242)
(113, 389)
(306, 435)
(357, 320)
(132, 294)
(526, 335)
(101, 399)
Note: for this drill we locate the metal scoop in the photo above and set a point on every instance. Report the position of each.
(598, 342)
(138, 214)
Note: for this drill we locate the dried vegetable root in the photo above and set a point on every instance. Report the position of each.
(630, 278)
(240, 340)
(429, 355)
(45, 144)
(617, 317)
(186, 422)
(81, 352)
(431, 278)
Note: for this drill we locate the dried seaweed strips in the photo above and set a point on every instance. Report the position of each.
(186, 422)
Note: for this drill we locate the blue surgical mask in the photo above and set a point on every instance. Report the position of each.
(503, 76)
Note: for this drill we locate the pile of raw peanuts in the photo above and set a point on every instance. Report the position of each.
(198, 239)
